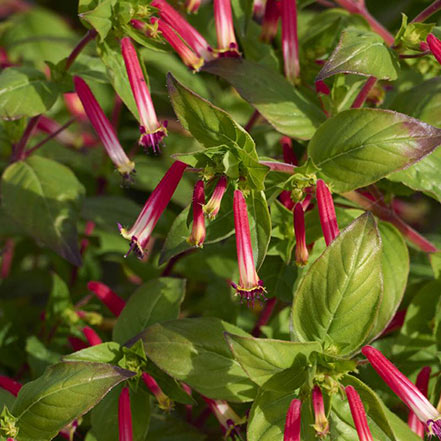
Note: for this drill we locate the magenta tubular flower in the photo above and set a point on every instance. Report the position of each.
(12, 386)
(103, 128)
(212, 207)
(434, 46)
(139, 234)
(405, 390)
(250, 286)
(114, 303)
(226, 416)
(192, 6)
(152, 132)
(49, 126)
(188, 33)
(290, 43)
(288, 153)
(321, 87)
(299, 229)
(422, 383)
(226, 40)
(358, 414)
(286, 199)
(258, 10)
(125, 416)
(197, 236)
(270, 20)
(321, 425)
(293, 422)
(188, 57)
(91, 336)
(74, 106)
(164, 401)
(328, 219)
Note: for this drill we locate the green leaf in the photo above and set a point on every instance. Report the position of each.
(44, 198)
(39, 356)
(338, 299)
(263, 358)
(358, 147)
(59, 300)
(283, 106)
(105, 415)
(100, 18)
(394, 256)
(242, 13)
(278, 277)
(110, 53)
(25, 91)
(423, 102)
(170, 427)
(410, 35)
(156, 301)
(361, 52)
(195, 351)
(65, 392)
(109, 352)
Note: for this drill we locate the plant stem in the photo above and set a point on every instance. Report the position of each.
(364, 92)
(264, 317)
(279, 166)
(90, 35)
(387, 214)
(18, 151)
(326, 3)
(8, 255)
(421, 54)
(359, 8)
(48, 138)
(429, 11)
(253, 119)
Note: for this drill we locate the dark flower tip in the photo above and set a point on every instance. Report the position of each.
(153, 140)
(250, 295)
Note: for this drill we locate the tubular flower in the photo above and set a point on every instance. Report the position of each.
(434, 46)
(197, 236)
(49, 126)
(151, 130)
(10, 385)
(288, 153)
(270, 20)
(328, 219)
(188, 57)
(212, 207)
(74, 106)
(192, 6)
(103, 128)
(258, 9)
(290, 43)
(358, 414)
(164, 401)
(321, 425)
(299, 229)
(226, 416)
(188, 33)
(91, 336)
(405, 390)
(226, 40)
(125, 416)
(112, 300)
(250, 286)
(286, 199)
(293, 422)
(141, 230)
(422, 383)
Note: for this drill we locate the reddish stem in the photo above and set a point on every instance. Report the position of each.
(90, 35)
(429, 11)
(18, 151)
(252, 121)
(8, 254)
(364, 92)
(264, 317)
(279, 166)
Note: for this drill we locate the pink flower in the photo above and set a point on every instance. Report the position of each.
(77, 344)
(293, 423)
(405, 390)
(197, 236)
(250, 286)
(212, 207)
(10, 385)
(125, 416)
(192, 6)
(328, 219)
(103, 128)
(49, 126)
(321, 425)
(112, 300)
(358, 414)
(164, 401)
(286, 199)
(290, 43)
(152, 132)
(91, 336)
(74, 106)
(422, 383)
(321, 87)
(270, 20)
(299, 229)
(434, 46)
(288, 153)
(226, 416)
(142, 229)
(226, 40)
(182, 27)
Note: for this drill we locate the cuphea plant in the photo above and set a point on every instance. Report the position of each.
(281, 280)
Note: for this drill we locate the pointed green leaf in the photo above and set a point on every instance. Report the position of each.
(338, 299)
(358, 147)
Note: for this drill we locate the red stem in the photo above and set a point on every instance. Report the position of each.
(90, 35)
(429, 11)
(18, 151)
(364, 92)
(279, 166)
(264, 317)
(8, 254)
(253, 119)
